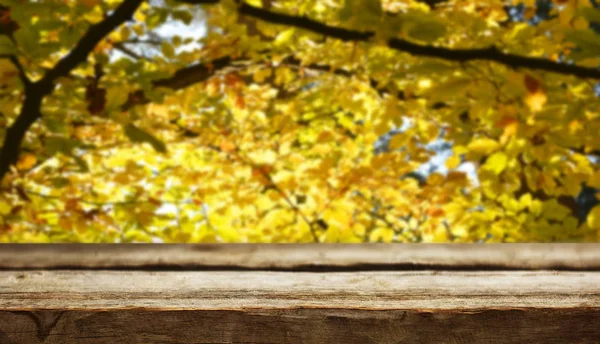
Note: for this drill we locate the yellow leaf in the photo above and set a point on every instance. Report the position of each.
(593, 218)
(337, 216)
(496, 163)
(284, 37)
(525, 200)
(536, 97)
(94, 16)
(385, 235)
(397, 142)
(483, 146)
(26, 161)
(5, 207)
(572, 185)
(453, 162)
(261, 75)
(536, 101)
(265, 157)
(594, 180)
(553, 210)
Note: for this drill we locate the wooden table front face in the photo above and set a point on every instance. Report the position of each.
(235, 305)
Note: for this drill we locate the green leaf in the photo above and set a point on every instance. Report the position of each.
(364, 14)
(590, 13)
(65, 146)
(586, 40)
(167, 50)
(83, 166)
(115, 98)
(184, 16)
(55, 125)
(422, 27)
(60, 182)
(61, 144)
(136, 134)
(7, 47)
(427, 31)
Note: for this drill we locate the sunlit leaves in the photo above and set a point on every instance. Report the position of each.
(26, 161)
(300, 137)
(536, 97)
(593, 218)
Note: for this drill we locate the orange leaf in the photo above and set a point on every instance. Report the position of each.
(233, 80)
(240, 102)
(532, 84)
(506, 121)
(26, 161)
(536, 96)
(90, 3)
(435, 212)
(227, 146)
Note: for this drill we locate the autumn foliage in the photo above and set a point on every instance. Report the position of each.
(299, 121)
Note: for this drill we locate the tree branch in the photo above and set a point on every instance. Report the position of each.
(125, 50)
(88, 42)
(35, 92)
(456, 55)
(182, 78)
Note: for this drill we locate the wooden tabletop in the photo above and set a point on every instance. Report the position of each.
(302, 257)
(150, 294)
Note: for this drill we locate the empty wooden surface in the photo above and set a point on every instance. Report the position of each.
(303, 256)
(147, 294)
(217, 290)
(65, 306)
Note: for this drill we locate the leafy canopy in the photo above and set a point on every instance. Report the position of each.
(299, 121)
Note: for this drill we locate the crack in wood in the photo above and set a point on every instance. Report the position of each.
(45, 322)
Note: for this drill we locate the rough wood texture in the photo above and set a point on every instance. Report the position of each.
(134, 326)
(67, 294)
(299, 307)
(303, 257)
(215, 290)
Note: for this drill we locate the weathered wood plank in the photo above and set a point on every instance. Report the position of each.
(299, 307)
(304, 326)
(131, 296)
(217, 290)
(302, 257)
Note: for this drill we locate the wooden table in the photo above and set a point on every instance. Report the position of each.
(518, 293)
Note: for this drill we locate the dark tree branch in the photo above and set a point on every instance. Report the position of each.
(188, 76)
(457, 55)
(88, 42)
(182, 78)
(304, 23)
(125, 50)
(30, 112)
(35, 92)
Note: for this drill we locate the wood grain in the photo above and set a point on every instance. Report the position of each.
(215, 290)
(306, 326)
(305, 257)
(147, 294)
(299, 307)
